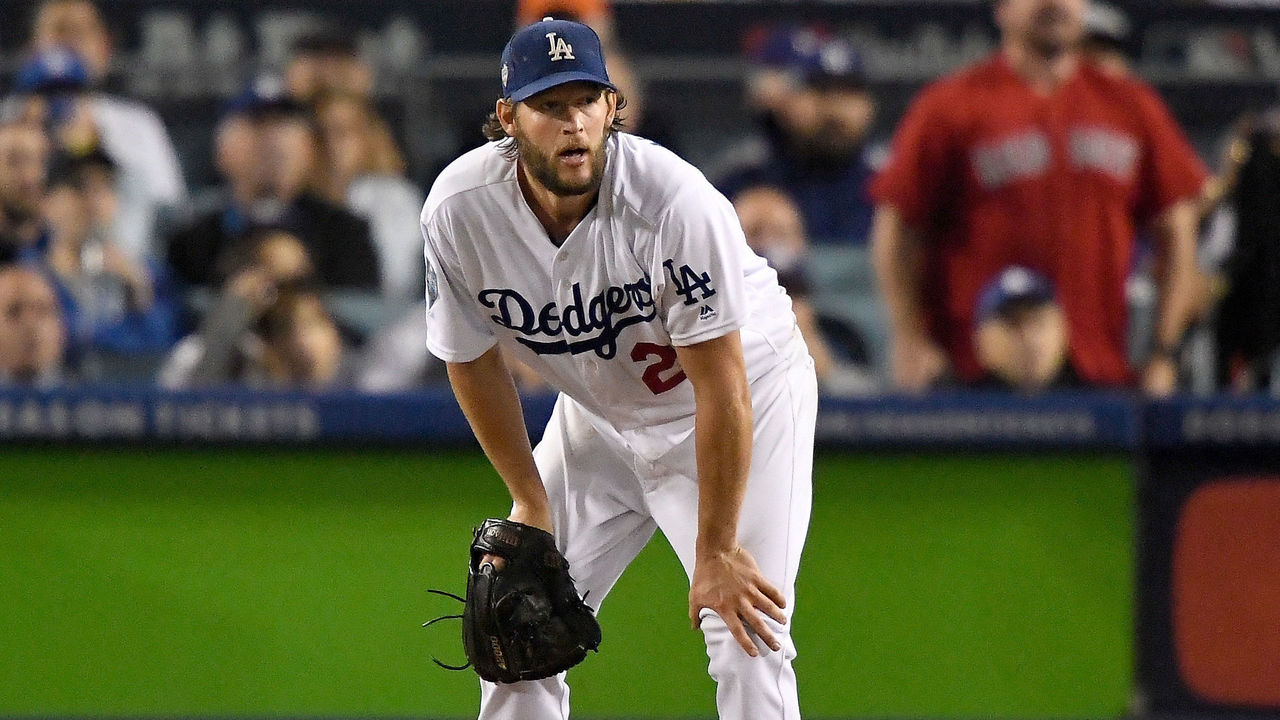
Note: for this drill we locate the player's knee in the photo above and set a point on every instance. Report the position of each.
(729, 660)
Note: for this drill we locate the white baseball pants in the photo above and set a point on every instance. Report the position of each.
(606, 503)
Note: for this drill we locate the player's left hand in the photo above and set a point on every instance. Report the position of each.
(731, 584)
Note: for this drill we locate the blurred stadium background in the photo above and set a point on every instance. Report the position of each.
(235, 553)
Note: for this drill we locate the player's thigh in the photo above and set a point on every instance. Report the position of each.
(774, 518)
(601, 522)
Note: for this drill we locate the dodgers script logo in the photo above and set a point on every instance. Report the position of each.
(560, 50)
(597, 320)
(594, 323)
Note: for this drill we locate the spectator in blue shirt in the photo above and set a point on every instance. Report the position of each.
(815, 118)
(113, 303)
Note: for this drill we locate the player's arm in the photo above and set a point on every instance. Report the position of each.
(726, 579)
(488, 398)
(897, 253)
(1178, 280)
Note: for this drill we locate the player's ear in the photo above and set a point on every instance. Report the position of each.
(506, 112)
(611, 98)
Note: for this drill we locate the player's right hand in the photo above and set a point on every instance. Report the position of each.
(916, 364)
(731, 585)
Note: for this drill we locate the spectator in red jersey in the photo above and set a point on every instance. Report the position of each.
(1037, 158)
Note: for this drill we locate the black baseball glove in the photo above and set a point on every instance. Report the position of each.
(524, 621)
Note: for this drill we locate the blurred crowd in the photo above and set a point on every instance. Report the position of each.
(1008, 237)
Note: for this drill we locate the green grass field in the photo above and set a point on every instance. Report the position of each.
(268, 583)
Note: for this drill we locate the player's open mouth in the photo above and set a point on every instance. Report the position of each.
(574, 156)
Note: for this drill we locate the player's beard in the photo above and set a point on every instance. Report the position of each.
(541, 166)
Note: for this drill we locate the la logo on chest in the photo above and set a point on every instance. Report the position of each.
(560, 50)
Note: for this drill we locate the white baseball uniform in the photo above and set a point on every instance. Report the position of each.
(660, 261)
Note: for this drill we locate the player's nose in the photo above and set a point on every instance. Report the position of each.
(575, 121)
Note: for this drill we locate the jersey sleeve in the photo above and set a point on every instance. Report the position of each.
(699, 284)
(456, 332)
(920, 159)
(1171, 169)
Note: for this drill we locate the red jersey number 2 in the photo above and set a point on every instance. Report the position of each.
(665, 360)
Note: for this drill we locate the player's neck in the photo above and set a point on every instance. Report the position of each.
(558, 214)
(1043, 71)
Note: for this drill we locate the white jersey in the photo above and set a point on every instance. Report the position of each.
(660, 261)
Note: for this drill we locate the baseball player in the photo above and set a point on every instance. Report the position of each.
(1034, 157)
(687, 396)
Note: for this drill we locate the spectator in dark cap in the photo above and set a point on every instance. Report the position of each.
(1021, 333)
(267, 146)
(150, 183)
(817, 111)
(51, 90)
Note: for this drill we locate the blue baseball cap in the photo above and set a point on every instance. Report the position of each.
(836, 63)
(786, 47)
(261, 96)
(52, 70)
(1015, 285)
(550, 53)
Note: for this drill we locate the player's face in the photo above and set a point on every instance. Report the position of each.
(1048, 27)
(560, 134)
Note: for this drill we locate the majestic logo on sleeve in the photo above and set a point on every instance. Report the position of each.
(584, 324)
(560, 50)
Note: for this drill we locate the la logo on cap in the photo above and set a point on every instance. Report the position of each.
(560, 50)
